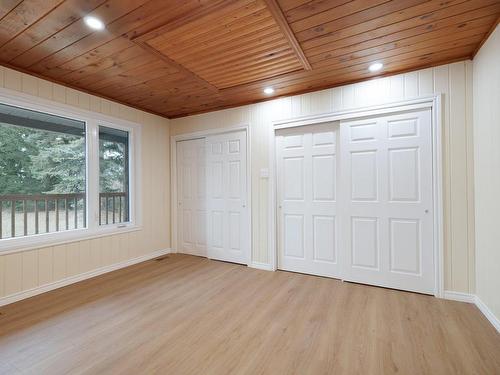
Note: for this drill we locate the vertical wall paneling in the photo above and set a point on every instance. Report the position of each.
(458, 179)
(59, 93)
(12, 80)
(451, 80)
(411, 85)
(486, 175)
(2, 279)
(471, 245)
(13, 276)
(45, 265)
(59, 255)
(85, 258)
(425, 82)
(29, 269)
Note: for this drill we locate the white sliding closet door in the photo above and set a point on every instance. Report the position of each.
(387, 180)
(228, 213)
(355, 200)
(307, 199)
(191, 192)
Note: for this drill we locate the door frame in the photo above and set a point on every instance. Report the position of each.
(434, 103)
(173, 168)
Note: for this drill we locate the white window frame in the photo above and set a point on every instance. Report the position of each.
(92, 122)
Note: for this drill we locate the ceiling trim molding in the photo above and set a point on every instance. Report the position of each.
(280, 19)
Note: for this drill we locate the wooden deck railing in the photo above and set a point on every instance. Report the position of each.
(44, 213)
(108, 204)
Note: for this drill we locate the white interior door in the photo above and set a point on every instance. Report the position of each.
(191, 192)
(228, 213)
(387, 182)
(307, 200)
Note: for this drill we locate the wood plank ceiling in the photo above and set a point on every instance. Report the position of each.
(176, 58)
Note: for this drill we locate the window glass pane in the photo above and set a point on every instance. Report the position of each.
(114, 176)
(42, 173)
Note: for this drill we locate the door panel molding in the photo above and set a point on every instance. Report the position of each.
(191, 204)
(307, 217)
(395, 248)
(228, 233)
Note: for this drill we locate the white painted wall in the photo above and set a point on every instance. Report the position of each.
(454, 81)
(487, 171)
(24, 271)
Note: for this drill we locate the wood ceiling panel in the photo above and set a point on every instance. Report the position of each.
(107, 12)
(209, 54)
(176, 58)
(236, 22)
(254, 48)
(287, 5)
(374, 46)
(311, 8)
(317, 21)
(145, 14)
(7, 5)
(62, 16)
(229, 36)
(399, 30)
(22, 16)
(403, 19)
(341, 22)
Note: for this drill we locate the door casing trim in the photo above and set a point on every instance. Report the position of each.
(173, 168)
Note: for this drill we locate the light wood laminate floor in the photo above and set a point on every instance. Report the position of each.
(188, 315)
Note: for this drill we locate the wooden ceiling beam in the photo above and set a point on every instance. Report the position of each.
(278, 15)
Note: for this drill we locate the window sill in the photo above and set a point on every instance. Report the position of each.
(21, 244)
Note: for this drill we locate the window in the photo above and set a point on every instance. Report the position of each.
(64, 174)
(42, 173)
(113, 176)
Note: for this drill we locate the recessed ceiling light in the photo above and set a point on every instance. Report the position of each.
(375, 67)
(93, 23)
(268, 90)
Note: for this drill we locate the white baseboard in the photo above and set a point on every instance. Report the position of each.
(261, 266)
(488, 313)
(80, 277)
(472, 298)
(458, 296)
